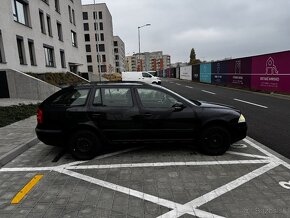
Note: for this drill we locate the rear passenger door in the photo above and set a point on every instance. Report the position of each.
(113, 112)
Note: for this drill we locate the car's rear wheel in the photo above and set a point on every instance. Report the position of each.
(84, 145)
(215, 140)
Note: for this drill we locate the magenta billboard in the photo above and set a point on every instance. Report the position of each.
(271, 72)
(239, 71)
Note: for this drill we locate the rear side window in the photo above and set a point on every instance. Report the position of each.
(117, 97)
(75, 97)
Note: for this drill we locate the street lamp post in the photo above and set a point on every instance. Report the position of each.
(139, 27)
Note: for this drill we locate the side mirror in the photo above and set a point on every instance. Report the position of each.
(178, 106)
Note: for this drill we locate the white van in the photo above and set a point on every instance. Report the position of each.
(140, 76)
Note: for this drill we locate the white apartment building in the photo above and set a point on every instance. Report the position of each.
(42, 36)
(119, 50)
(98, 35)
(148, 61)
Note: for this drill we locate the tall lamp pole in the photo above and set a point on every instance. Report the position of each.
(139, 27)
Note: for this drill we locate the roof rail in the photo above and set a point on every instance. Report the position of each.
(107, 82)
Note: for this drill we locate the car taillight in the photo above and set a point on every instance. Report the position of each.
(39, 116)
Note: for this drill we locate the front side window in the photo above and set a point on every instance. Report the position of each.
(20, 11)
(155, 99)
(117, 97)
(72, 98)
(49, 56)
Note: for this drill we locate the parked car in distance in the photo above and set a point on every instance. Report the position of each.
(85, 118)
(145, 76)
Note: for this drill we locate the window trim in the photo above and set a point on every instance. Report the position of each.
(26, 12)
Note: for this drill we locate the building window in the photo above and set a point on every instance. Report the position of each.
(100, 15)
(86, 27)
(95, 15)
(73, 17)
(89, 58)
(74, 39)
(42, 25)
(101, 26)
(21, 11)
(103, 68)
(117, 57)
(85, 16)
(62, 58)
(87, 37)
(31, 52)
(96, 26)
(88, 48)
(2, 54)
(115, 43)
(49, 56)
(69, 14)
(117, 64)
(116, 50)
(59, 31)
(103, 58)
(90, 68)
(49, 25)
(102, 37)
(21, 50)
(56, 5)
(97, 37)
(101, 47)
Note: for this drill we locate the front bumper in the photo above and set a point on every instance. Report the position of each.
(239, 132)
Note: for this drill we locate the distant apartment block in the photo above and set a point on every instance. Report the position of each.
(119, 50)
(148, 61)
(99, 40)
(42, 36)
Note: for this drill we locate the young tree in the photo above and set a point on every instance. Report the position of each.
(193, 59)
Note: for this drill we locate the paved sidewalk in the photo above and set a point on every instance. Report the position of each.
(4, 102)
(16, 138)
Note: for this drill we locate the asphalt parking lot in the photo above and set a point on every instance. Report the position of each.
(155, 181)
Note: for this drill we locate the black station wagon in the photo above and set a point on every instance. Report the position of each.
(85, 118)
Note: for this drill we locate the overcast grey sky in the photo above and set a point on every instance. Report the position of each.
(217, 29)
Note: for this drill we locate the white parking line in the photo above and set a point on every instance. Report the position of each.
(189, 87)
(247, 102)
(212, 93)
(178, 84)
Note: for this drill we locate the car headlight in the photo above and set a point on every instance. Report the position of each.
(242, 119)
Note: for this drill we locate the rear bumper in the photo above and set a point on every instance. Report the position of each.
(50, 137)
(239, 132)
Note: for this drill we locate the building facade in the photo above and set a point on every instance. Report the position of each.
(119, 50)
(99, 40)
(42, 36)
(148, 61)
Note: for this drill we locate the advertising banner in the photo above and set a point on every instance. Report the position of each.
(271, 72)
(186, 73)
(239, 71)
(205, 73)
(195, 72)
(219, 72)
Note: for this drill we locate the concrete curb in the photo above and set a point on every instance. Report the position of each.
(4, 159)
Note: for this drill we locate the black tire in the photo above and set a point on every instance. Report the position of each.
(84, 145)
(215, 140)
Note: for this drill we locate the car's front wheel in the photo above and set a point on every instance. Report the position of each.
(215, 140)
(84, 145)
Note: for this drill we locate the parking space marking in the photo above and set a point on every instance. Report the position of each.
(138, 194)
(26, 189)
(270, 161)
(189, 87)
(212, 93)
(247, 102)
(178, 84)
(247, 155)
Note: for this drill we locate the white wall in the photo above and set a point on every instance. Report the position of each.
(186, 73)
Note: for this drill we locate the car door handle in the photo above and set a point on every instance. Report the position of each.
(96, 115)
